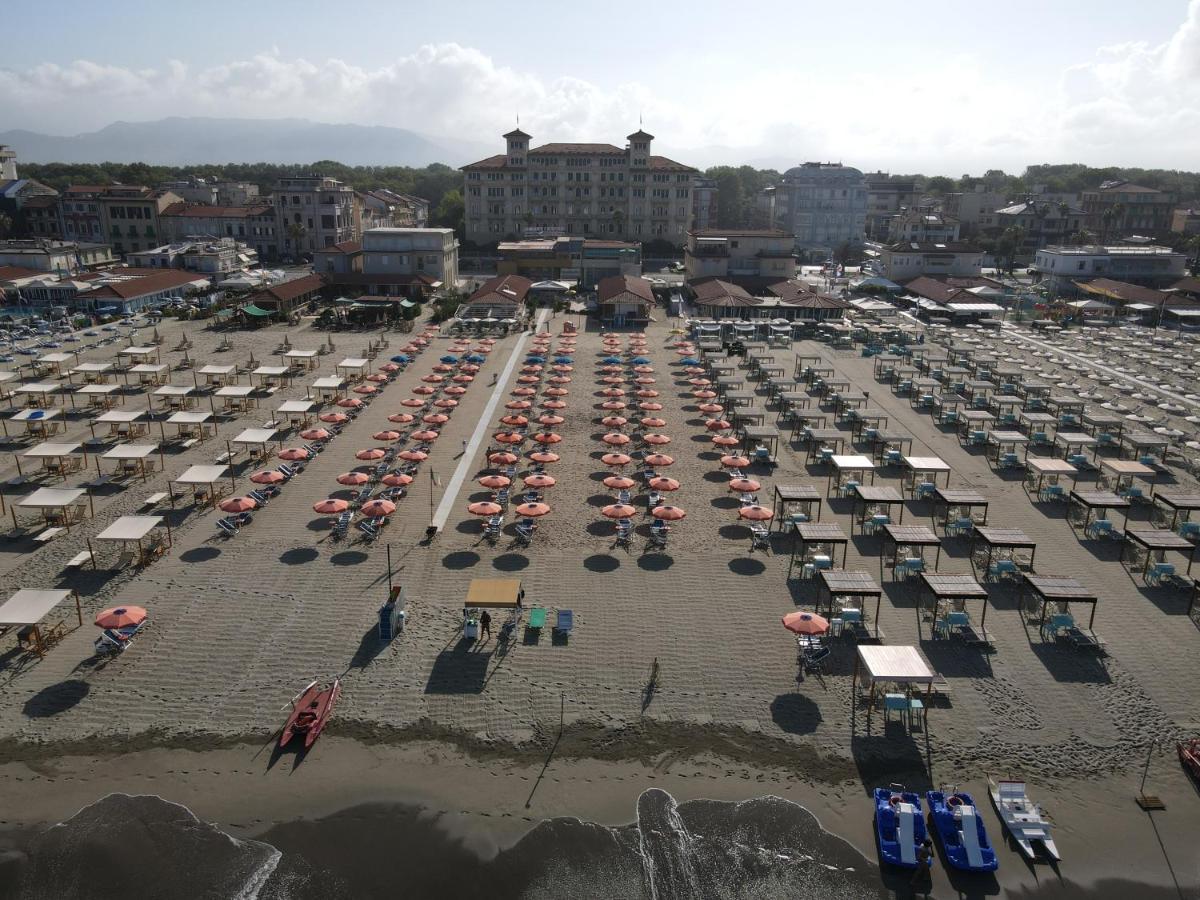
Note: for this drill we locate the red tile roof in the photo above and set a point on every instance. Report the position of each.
(8, 273)
(140, 285)
(290, 290)
(361, 278)
(343, 247)
(741, 232)
(615, 288)
(568, 148)
(492, 162)
(1187, 286)
(937, 291)
(1122, 291)
(203, 211)
(502, 289)
(662, 164)
(715, 292)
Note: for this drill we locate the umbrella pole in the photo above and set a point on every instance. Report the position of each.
(78, 608)
(389, 564)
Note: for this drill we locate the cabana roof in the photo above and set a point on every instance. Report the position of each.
(900, 664)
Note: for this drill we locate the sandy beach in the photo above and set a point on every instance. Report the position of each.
(473, 734)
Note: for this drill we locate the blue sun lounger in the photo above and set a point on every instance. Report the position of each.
(564, 623)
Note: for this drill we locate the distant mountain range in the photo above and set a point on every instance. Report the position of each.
(179, 141)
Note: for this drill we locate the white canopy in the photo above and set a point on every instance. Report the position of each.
(93, 367)
(235, 390)
(295, 406)
(269, 371)
(174, 390)
(27, 415)
(130, 528)
(202, 475)
(352, 362)
(255, 436)
(29, 606)
(927, 464)
(130, 451)
(900, 664)
(97, 389)
(216, 370)
(329, 383)
(121, 416)
(52, 498)
(48, 449)
(147, 368)
(300, 354)
(194, 417)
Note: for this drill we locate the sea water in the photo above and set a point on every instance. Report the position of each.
(132, 847)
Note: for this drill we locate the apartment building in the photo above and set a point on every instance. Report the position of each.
(1042, 224)
(55, 256)
(392, 262)
(253, 225)
(1118, 209)
(902, 261)
(213, 192)
(215, 257)
(314, 211)
(886, 199)
(822, 205)
(79, 213)
(725, 253)
(582, 190)
(1148, 265)
(1185, 221)
(704, 203)
(975, 210)
(923, 227)
(129, 215)
(583, 261)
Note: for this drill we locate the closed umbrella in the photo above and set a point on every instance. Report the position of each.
(531, 510)
(743, 485)
(379, 507)
(353, 478)
(668, 513)
(397, 479)
(485, 508)
(756, 513)
(801, 622)
(121, 617)
(239, 504)
(270, 476)
(331, 507)
(618, 511)
(371, 453)
(658, 460)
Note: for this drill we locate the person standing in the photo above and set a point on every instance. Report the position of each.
(485, 624)
(924, 855)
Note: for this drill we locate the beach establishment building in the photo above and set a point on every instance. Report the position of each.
(721, 253)
(903, 261)
(392, 262)
(923, 226)
(582, 261)
(625, 300)
(1042, 224)
(61, 257)
(215, 257)
(717, 298)
(313, 212)
(286, 299)
(1058, 268)
(253, 225)
(580, 190)
(499, 298)
(975, 210)
(822, 205)
(118, 292)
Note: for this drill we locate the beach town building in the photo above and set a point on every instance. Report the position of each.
(625, 300)
(313, 212)
(1119, 208)
(720, 253)
(213, 192)
(502, 297)
(886, 198)
(79, 213)
(720, 298)
(1185, 221)
(1042, 223)
(580, 261)
(579, 190)
(822, 205)
(122, 292)
(55, 256)
(16, 193)
(129, 215)
(340, 259)
(216, 257)
(39, 217)
(382, 208)
(902, 261)
(922, 226)
(253, 225)
(1058, 268)
(705, 204)
(975, 210)
(393, 262)
(285, 299)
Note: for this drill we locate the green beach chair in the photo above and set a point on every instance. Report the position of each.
(537, 619)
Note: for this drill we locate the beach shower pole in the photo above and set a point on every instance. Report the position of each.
(389, 561)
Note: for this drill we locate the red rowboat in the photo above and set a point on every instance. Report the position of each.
(1189, 755)
(310, 711)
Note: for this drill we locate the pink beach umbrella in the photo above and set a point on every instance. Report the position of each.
(353, 478)
(331, 507)
(371, 453)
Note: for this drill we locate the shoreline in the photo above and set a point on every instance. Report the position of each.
(481, 803)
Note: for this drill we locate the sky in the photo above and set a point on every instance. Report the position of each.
(922, 86)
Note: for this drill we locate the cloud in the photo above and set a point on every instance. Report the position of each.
(1133, 103)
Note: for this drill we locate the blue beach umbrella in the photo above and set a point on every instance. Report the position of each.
(690, 361)
(563, 360)
(400, 358)
(640, 361)
(534, 360)
(612, 360)
(449, 358)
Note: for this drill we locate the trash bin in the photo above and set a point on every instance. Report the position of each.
(835, 627)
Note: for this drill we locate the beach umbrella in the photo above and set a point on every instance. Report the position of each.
(446, 403)
(426, 434)
(616, 459)
(562, 360)
(371, 453)
(650, 406)
(448, 358)
(711, 408)
(353, 478)
(331, 507)
(389, 367)
(503, 458)
(699, 382)
(756, 513)
(400, 358)
(548, 419)
(413, 455)
(643, 370)
(647, 393)
(378, 507)
(432, 379)
(474, 358)
(531, 510)
(725, 440)
(495, 482)
(463, 378)
(704, 394)
(539, 481)
(533, 359)
(442, 367)
(718, 425)
(528, 379)
(613, 379)
(397, 479)
(744, 485)
(334, 418)
(618, 511)
(239, 504)
(613, 392)
(386, 436)
(619, 482)
(616, 439)
(435, 419)
(523, 392)
(658, 460)
(556, 392)
(315, 434)
(663, 483)
(640, 361)
(377, 379)
(544, 456)
(121, 617)
(412, 402)
(801, 622)
(350, 403)
(485, 508)
(558, 404)
(294, 453)
(531, 369)
(612, 360)
(659, 440)
(689, 360)
(514, 421)
(269, 476)
(366, 389)
(653, 422)
(517, 404)
(610, 370)
(509, 437)
(456, 390)
(614, 421)
(735, 462)
(668, 513)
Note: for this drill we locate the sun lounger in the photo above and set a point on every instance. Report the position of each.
(78, 559)
(227, 527)
(369, 529)
(537, 618)
(564, 623)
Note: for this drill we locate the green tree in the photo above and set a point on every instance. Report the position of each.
(1008, 244)
(940, 184)
(450, 212)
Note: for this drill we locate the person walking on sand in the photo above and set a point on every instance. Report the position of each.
(485, 624)
(924, 854)
(464, 452)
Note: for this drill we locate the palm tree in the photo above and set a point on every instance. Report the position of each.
(296, 231)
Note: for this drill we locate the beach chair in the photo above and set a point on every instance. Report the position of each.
(763, 455)
(760, 537)
(1079, 461)
(1098, 529)
(624, 532)
(1010, 461)
(564, 624)
(847, 489)
(287, 471)
(925, 490)
(1133, 494)
(369, 529)
(537, 620)
(1190, 530)
(262, 498)
(812, 658)
(1004, 568)
(658, 537)
(623, 498)
(909, 567)
(227, 527)
(892, 457)
(1057, 623)
(653, 500)
(960, 527)
(342, 525)
(525, 529)
(1160, 574)
(491, 529)
(502, 496)
(872, 524)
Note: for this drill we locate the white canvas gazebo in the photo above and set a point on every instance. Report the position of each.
(99, 395)
(268, 375)
(329, 387)
(306, 358)
(52, 362)
(296, 412)
(883, 664)
(148, 373)
(256, 439)
(236, 397)
(198, 477)
(40, 422)
(57, 458)
(91, 372)
(176, 396)
(131, 458)
(46, 500)
(28, 606)
(123, 423)
(353, 367)
(189, 424)
(218, 375)
(141, 353)
(43, 391)
(135, 529)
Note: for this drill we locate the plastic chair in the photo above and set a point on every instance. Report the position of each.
(1147, 460)
(1052, 492)
(1079, 461)
(960, 527)
(876, 522)
(1160, 574)
(1010, 461)
(1189, 530)
(910, 566)
(847, 489)
(821, 561)
(1003, 568)
(1056, 623)
(892, 457)
(1100, 528)
(925, 490)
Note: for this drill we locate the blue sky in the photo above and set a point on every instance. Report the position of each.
(930, 86)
